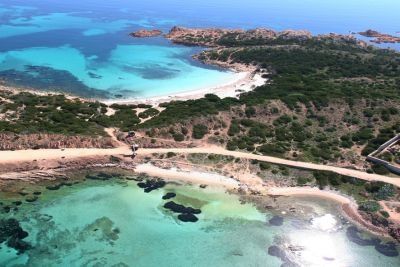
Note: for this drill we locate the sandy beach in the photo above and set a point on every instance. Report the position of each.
(243, 81)
(189, 176)
(310, 191)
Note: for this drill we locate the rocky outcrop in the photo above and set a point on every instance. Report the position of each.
(201, 37)
(216, 37)
(295, 34)
(12, 234)
(380, 37)
(146, 33)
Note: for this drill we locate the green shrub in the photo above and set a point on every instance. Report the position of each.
(302, 181)
(234, 128)
(250, 111)
(171, 154)
(199, 131)
(265, 166)
(380, 169)
(384, 213)
(369, 206)
(179, 137)
(385, 192)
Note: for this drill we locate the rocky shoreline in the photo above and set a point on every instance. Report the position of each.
(380, 37)
(146, 33)
(210, 37)
(55, 174)
(219, 37)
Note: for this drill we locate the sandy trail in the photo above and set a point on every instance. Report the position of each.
(290, 163)
(71, 153)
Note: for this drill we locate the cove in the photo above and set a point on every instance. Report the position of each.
(114, 222)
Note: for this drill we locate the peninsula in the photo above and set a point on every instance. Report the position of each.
(380, 37)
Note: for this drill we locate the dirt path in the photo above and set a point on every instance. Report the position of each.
(51, 154)
(297, 164)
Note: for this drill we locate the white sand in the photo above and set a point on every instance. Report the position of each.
(244, 81)
(192, 176)
(309, 191)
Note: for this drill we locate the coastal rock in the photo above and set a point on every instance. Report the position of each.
(151, 184)
(99, 176)
(276, 221)
(146, 33)
(380, 37)
(54, 187)
(177, 208)
(370, 33)
(169, 195)
(283, 255)
(187, 217)
(295, 34)
(31, 199)
(388, 249)
(395, 233)
(12, 233)
(217, 37)
(17, 203)
(353, 234)
(198, 37)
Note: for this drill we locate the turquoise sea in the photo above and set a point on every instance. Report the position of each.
(83, 46)
(115, 223)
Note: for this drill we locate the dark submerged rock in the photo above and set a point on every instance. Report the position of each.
(6, 209)
(177, 208)
(23, 193)
(169, 195)
(276, 221)
(281, 254)
(353, 234)
(151, 184)
(53, 187)
(187, 217)
(388, 249)
(31, 199)
(100, 176)
(277, 252)
(12, 233)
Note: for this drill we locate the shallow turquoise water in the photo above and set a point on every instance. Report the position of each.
(76, 226)
(83, 46)
(131, 70)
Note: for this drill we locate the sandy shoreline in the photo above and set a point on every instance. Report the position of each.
(347, 205)
(310, 191)
(188, 176)
(244, 80)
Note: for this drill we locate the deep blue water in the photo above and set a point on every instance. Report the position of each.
(82, 45)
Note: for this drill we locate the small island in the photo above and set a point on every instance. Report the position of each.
(380, 37)
(146, 33)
